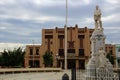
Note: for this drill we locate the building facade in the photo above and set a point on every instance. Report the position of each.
(32, 56)
(117, 47)
(110, 49)
(53, 40)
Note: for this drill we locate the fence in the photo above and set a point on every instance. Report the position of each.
(77, 74)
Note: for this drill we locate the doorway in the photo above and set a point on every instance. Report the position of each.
(81, 64)
(71, 63)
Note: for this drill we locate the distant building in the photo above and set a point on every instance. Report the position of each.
(32, 56)
(110, 49)
(78, 52)
(117, 46)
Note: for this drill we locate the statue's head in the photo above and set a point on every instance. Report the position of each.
(97, 7)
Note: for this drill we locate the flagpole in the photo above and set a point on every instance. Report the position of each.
(66, 35)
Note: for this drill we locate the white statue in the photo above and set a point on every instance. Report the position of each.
(97, 17)
(102, 58)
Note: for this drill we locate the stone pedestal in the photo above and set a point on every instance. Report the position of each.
(99, 67)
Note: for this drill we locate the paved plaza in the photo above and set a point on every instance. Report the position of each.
(35, 76)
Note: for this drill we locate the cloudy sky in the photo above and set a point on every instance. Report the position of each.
(21, 21)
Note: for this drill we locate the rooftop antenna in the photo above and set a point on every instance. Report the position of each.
(33, 42)
(33, 52)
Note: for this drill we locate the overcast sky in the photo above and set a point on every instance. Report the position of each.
(21, 21)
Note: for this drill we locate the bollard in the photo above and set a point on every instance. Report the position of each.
(65, 77)
(73, 74)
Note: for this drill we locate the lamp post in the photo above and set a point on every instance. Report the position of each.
(57, 58)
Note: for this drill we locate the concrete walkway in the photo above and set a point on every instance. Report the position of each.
(35, 76)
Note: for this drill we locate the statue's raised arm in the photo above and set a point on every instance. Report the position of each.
(97, 17)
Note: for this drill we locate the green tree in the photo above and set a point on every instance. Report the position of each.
(12, 58)
(111, 58)
(48, 59)
(0, 60)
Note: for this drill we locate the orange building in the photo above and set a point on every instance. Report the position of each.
(111, 49)
(53, 40)
(32, 56)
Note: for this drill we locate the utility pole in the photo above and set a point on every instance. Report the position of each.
(66, 35)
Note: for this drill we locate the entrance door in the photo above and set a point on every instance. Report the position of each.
(81, 64)
(36, 63)
(71, 63)
(30, 63)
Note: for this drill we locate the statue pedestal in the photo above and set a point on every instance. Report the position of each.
(99, 67)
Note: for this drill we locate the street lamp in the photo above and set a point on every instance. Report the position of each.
(57, 58)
